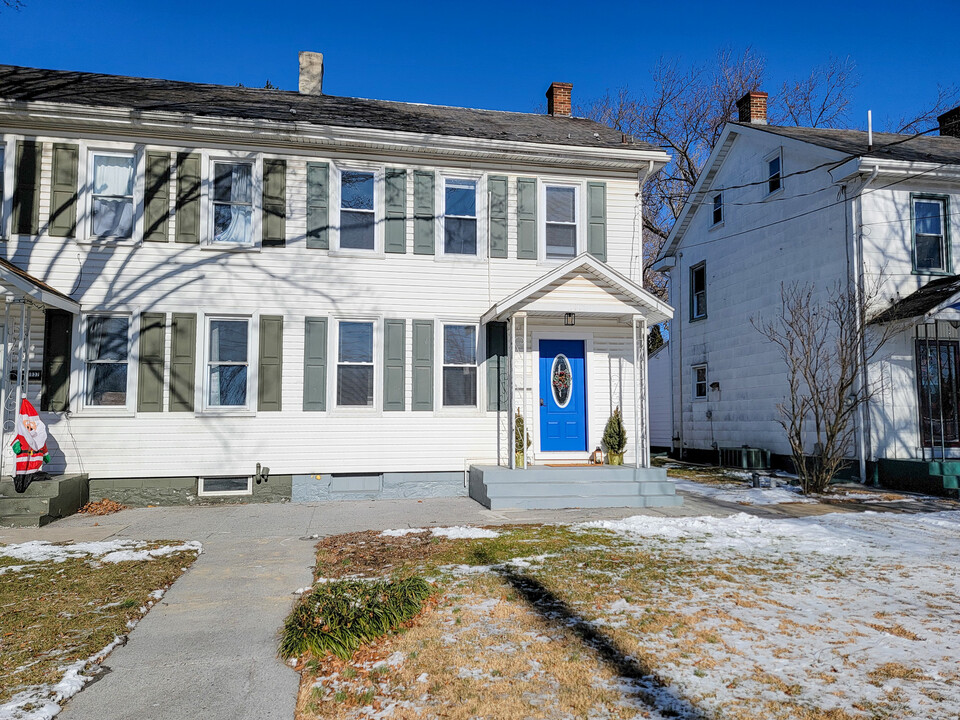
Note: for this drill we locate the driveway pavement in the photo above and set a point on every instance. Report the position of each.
(207, 650)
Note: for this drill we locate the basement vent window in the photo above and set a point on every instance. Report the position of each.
(238, 485)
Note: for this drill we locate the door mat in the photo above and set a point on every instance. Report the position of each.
(573, 465)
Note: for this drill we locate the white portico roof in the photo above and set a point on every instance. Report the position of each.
(587, 287)
(22, 284)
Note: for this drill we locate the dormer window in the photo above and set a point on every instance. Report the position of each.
(718, 208)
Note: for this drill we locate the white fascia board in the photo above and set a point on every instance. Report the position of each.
(665, 263)
(28, 289)
(175, 126)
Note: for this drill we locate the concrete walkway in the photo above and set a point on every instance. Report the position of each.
(208, 649)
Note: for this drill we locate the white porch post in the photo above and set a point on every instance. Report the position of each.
(641, 405)
(645, 389)
(512, 417)
(636, 394)
(523, 390)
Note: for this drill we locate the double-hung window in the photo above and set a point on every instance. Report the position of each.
(699, 382)
(111, 199)
(774, 173)
(561, 221)
(232, 203)
(930, 251)
(459, 365)
(698, 291)
(459, 216)
(227, 362)
(355, 368)
(718, 208)
(3, 204)
(107, 356)
(357, 210)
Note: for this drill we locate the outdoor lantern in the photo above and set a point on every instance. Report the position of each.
(598, 456)
(569, 319)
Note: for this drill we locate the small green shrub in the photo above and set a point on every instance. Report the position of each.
(340, 616)
(615, 434)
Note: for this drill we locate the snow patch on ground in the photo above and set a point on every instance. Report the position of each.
(110, 551)
(455, 533)
(744, 495)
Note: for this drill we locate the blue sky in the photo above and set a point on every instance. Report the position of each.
(497, 54)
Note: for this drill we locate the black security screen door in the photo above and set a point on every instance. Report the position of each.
(939, 391)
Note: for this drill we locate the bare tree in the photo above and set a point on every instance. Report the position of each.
(821, 99)
(824, 343)
(947, 98)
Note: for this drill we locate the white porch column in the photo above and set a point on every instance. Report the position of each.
(641, 405)
(511, 372)
(523, 389)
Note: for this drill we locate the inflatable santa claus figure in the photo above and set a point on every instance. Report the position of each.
(30, 445)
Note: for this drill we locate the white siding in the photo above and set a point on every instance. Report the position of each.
(661, 398)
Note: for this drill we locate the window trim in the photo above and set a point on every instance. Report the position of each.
(702, 265)
(775, 155)
(478, 408)
(209, 159)
(203, 386)
(379, 207)
(333, 351)
(201, 492)
(944, 201)
(706, 381)
(579, 208)
(133, 361)
(717, 207)
(136, 198)
(6, 194)
(481, 209)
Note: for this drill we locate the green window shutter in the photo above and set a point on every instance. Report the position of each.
(497, 186)
(394, 372)
(57, 345)
(597, 220)
(395, 236)
(423, 212)
(270, 366)
(318, 206)
(156, 197)
(63, 191)
(274, 230)
(497, 366)
(152, 359)
(423, 365)
(315, 364)
(527, 218)
(26, 190)
(183, 361)
(188, 199)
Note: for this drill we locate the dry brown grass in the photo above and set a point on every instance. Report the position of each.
(894, 670)
(895, 629)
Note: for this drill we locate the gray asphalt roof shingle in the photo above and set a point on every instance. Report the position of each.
(92, 89)
(890, 146)
(934, 293)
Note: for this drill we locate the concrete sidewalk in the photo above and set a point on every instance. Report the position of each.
(208, 649)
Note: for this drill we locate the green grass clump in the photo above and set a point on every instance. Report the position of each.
(338, 617)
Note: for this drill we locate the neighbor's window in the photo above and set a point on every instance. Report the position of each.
(108, 342)
(774, 174)
(460, 365)
(929, 238)
(357, 221)
(561, 222)
(111, 205)
(233, 203)
(718, 208)
(355, 364)
(698, 291)
(699, 382)
(228, 362)
(3, 226)
(459, 217)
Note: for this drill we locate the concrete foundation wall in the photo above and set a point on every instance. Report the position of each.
(380, 486)
(141, 492)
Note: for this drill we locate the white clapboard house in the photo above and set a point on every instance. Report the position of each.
(829, 208)
(206, 282)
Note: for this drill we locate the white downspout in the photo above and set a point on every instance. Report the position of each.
(858, 299)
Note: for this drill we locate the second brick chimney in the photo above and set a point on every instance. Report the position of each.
(559, 99)
(950, 123)
(753, 108)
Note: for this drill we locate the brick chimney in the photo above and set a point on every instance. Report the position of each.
(558, 99)
(311, 73)
(753, 108)
(950, 123)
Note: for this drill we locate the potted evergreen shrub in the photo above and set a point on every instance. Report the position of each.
(518, 435)
(615, 438)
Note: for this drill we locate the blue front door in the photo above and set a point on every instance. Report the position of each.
(563, 406)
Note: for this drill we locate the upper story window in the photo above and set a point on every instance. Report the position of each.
(561, 221)
(699, 382)
(228, 363)
(232, 203)
(357, 210)
(718, 208)
(774, 173)
(930, 247)
(355, 367)
(459, 365)
(3, 204)
(459, 216)
(111, 198)
(698, 291)
(106, 358)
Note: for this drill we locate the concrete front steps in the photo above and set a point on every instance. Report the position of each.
(551, 488)
(43, 502)
(933, 477)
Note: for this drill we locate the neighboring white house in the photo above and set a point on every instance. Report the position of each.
(790, 204)
(210, 281)
(661, 398)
